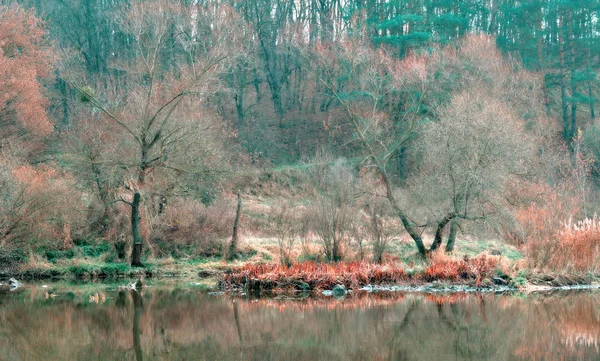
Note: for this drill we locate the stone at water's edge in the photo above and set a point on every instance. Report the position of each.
(499, 281)
(339, 290)
(302, 286)
(14, 284)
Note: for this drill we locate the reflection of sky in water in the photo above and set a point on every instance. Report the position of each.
(96, 323)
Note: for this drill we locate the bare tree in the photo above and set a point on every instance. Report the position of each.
(333, 207)
(287, 227)
(469, 156)
(165, 130)
(377, 84)
(381, 229)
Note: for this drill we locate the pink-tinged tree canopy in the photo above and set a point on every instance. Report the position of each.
(26, 57)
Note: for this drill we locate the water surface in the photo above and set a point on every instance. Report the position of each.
(167, 323)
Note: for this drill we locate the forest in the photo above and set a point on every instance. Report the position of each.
(300, 136)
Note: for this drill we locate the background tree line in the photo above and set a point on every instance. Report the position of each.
(139, 110)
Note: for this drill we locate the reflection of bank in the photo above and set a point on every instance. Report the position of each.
(585, 339)
(581, 327)
(138, 308)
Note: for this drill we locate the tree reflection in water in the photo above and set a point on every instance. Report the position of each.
(178, 324)
(138, 308)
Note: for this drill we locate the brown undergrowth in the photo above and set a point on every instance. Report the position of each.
(320, 276)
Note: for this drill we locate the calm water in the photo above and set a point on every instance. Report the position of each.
(185, 324)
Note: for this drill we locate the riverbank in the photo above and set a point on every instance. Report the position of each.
(255, 271)
(482, 273)
(468, 275)
(91, 270)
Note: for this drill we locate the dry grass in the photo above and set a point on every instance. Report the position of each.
(579, 246)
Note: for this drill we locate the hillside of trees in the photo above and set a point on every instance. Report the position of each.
(339, 130)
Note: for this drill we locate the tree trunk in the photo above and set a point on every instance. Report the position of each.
(573, 82)
(120, 247)
(239, 107)
(406, 223)
(589, 86)
(563, 87)
(234, 238)
(592, 112)
(452, 237)
(437, 241)
(540, 56)
(136, 253)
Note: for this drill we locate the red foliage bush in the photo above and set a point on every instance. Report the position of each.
(356, 274)
(316, 275)
(26, 56)
(450, 269)
(38, 206)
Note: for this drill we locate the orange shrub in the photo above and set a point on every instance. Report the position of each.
(38, 207)
(443, 267)
(316, 275)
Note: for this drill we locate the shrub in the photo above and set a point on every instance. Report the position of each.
(443, 267)
(286, 225)
(579, 246)
(332, 210)
(188, 227)
(316, 275)
(541, 223)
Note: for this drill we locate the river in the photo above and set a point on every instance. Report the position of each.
(100, 322)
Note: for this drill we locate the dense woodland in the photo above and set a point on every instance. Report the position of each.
(139, 125)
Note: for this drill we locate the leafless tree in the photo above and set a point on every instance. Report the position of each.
(158, 104)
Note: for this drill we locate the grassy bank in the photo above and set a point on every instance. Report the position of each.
(476, 264)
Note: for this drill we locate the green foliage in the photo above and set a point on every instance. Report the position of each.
(99, 270)
(78, 251)
(450, 21)
(54, 255)
(244, 255)
(309, 257)
(399, 21)
(86, 94)
(11, 258)
(413, 38)
(519, 281)
(95, 251)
